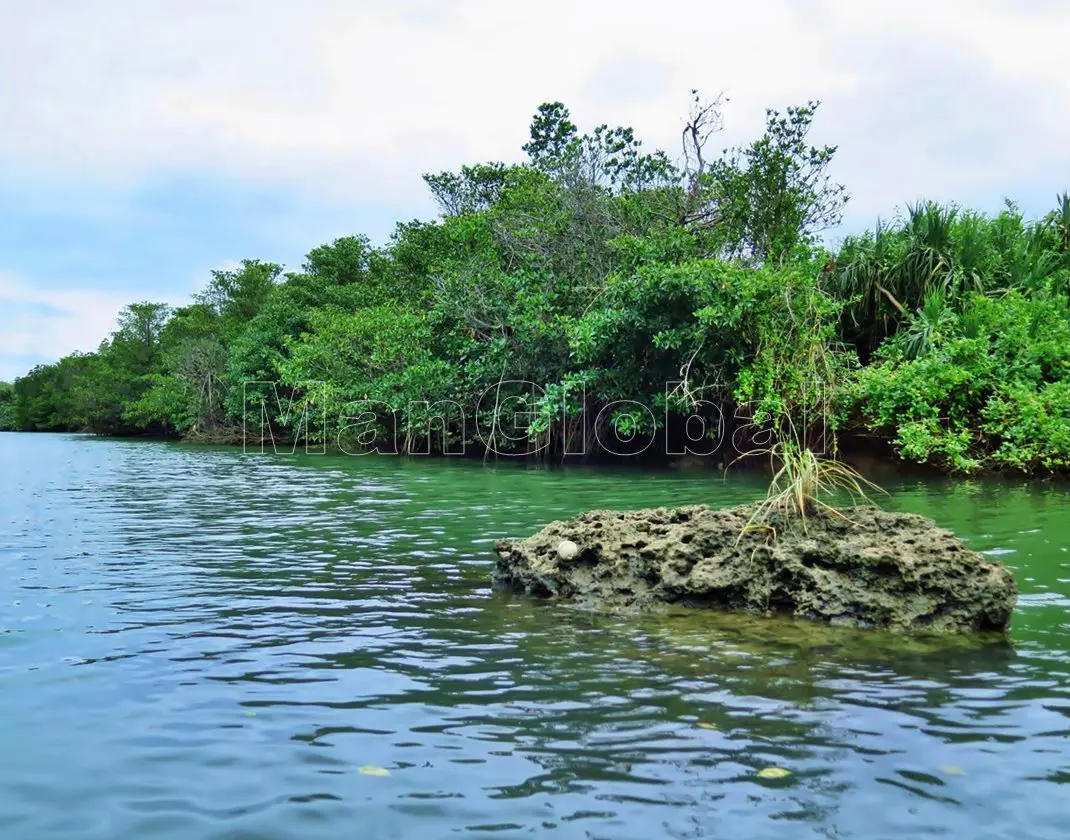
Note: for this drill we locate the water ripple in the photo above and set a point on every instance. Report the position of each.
(198, 643)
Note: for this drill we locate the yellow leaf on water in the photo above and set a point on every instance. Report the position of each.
(773, 773)
(371, 770)
(952, 770)
(707, 726)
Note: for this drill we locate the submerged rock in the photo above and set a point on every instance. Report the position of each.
(889, 570)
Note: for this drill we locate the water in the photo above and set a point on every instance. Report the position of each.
(204, 644)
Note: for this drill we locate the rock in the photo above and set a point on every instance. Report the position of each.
(882, 570)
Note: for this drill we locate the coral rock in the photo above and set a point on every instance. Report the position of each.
(873, 569)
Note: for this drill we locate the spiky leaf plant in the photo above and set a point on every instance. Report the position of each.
(803, 486)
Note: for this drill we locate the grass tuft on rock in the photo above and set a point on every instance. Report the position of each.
(803, 485)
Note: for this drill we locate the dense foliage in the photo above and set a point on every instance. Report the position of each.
(8, 422)
(984, 384)
(595, 297)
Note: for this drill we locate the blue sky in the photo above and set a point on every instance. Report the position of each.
(147, 143)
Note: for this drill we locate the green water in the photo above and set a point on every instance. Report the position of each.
(206, 644)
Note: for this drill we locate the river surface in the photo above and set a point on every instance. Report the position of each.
(201, 643)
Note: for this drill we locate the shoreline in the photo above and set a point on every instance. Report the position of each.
(873, 459)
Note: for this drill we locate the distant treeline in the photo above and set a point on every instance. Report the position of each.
(600, 272)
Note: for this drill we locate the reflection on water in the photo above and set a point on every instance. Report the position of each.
(206, 644)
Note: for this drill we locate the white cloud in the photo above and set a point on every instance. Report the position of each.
(41, 323)
(359, 98)
(349, 102)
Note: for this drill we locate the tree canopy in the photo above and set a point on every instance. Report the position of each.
(600, 292)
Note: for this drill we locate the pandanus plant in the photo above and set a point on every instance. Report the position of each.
(1062, 221)
(928, 261)
(888, 273)
(865, 274)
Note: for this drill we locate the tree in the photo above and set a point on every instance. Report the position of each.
(607, 158)
(7, 407)
(344, 262)
(186, 394)
(472, 190)
(137, 338)
(553, 137)
(770, 198)
(600, 271)
(237, 295)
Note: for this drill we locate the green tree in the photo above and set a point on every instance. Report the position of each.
(770, 198)
(8, 422)
(593, 272)
(237, 295)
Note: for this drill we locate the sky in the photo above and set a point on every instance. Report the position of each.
(148, 142)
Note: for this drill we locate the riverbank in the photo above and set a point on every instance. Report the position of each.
(874, 459)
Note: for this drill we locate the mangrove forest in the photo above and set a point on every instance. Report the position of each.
(610, 292)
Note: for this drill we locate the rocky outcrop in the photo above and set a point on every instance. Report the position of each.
(874, 569)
